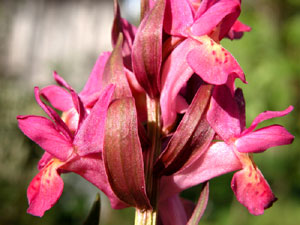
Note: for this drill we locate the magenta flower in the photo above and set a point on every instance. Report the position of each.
(122, 134)
(65, 152)
(200, 29)
(226, 116)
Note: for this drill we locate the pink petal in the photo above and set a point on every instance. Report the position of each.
(60, 125)
(71, 119)
(223, 114)
(172, 211)
(79, 107)
(201, 6)
(218, 159)
(175, 74)
(42, 131)
(77, 103)
(61, 81)
(212, 62)
(45, 189)
(237, 30)
(181, 104)
(252, 190)
(58, 97)
(90, 136)
(134, 84)
(266, 116)
(225, 11)
(46, 158)
(262, 139)
(93, 85)
(178, 17)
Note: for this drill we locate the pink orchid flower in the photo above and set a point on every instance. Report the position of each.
(226, 115)
(198, 28)
(67, 152)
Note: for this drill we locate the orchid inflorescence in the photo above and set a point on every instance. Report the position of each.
(158, 115)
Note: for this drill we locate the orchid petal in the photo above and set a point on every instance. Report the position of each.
(78, 105)
(58, 97)
(264, 138)
(266, 116)
(123, 154)
(60, 125)
(71, 119)
(212, 62)
(252, 190)
(60, 81)
(90, 136)
(175, 74)
(178, 17)
(225, 11)
(223, 114)
(217, 160)
(46, 158)
(42, 131)
(201, 6)
(181, 104)
(93, 85)
(237, 30)
(45, 189)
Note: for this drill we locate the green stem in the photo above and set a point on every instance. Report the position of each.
(148, 217)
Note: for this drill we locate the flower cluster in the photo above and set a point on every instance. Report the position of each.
(159, 114)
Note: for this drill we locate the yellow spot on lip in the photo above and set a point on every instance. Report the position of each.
(218, 53)
(50, 168)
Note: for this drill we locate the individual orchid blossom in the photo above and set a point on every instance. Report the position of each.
(122, 132)
(226, 115)
(65, 152)
(197, 31)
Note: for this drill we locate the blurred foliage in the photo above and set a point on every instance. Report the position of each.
(269, 55)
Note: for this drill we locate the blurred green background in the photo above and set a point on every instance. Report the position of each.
(269, 55)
